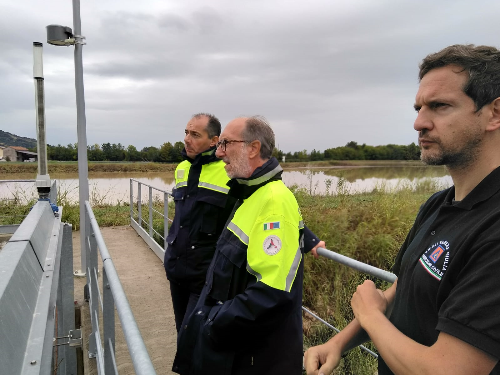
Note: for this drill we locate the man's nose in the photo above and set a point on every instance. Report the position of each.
(218, 152)
(423, 120)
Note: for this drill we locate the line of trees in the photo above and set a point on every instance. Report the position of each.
(353, 151)
(166, 153)
(171, 153)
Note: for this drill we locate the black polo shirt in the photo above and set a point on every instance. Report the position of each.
(449, 271)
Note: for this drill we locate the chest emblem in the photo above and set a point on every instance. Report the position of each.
(436, 259)
(272, 245)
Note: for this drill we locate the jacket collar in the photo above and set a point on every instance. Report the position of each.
(244, 187)
(205, 157)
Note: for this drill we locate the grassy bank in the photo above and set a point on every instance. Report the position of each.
(72, 167)
(368, 227)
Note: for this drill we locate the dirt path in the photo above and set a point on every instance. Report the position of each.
(143, 278)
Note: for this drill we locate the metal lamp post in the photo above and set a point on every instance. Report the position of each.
(62, 36)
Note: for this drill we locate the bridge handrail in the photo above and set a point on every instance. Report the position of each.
(148, 235)
(148, 238)
(113, 294)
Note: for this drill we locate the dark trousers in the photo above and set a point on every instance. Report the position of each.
(184, 303)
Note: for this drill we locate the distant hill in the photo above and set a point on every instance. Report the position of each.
(9, 139)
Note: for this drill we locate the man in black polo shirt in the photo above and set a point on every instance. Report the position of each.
(444, 309)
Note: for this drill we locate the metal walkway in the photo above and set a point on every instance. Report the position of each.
(143, 278)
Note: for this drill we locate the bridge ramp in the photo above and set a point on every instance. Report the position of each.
(143, 278)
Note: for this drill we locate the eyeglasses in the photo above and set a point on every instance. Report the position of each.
(223, 144)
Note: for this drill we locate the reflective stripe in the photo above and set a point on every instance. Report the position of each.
(256, 274)
(181, 184)
(293, 270)
(213, 187)
(261, 179)
(301, 224)
(238, 232)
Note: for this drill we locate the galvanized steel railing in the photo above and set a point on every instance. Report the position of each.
(148, 237)
(111, 295)
(145, 227)
(358, 266)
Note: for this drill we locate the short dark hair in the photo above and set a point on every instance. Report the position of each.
(482, 63)
(258, 128)
(213, 126)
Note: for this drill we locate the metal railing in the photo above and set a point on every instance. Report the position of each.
(137, 222)
(358, 266)
(105, 299)
(145, 227)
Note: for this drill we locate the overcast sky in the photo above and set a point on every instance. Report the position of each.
(323, 72)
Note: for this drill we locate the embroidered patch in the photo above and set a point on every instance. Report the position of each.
(436, 259)
(272, 245)
(275, 225)
(180, 173)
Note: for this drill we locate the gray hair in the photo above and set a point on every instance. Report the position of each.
(213, 126)
(258, 128)
(482, 63)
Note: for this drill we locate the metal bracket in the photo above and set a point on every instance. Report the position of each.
(79, 39)
(74, 338)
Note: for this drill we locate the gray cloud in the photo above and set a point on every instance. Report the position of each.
(324, 73)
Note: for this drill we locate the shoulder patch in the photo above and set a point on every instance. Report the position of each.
(180, 173)
(272, 245)
(274, 225)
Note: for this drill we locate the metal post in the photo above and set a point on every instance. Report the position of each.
(83, 169)
(150, 212)
(67, 316)
(165, 220)
(131, 199)
(108, 320)
(139, 206)
(43, 178)
(92, 271)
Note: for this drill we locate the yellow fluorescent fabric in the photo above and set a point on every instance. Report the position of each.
(273, 255)
(213, 176)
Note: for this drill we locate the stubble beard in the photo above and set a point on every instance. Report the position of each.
(455, 159)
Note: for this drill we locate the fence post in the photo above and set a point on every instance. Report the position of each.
(165, 220)
(139, 206)
(150, 212)
(93, 271)
(131, 199)
(66, 319)
(108, 318)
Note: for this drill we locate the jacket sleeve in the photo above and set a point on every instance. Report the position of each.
(310, 240)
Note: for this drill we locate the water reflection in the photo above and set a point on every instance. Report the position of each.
(108, 187)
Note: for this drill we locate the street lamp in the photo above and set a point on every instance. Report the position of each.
(63, 36)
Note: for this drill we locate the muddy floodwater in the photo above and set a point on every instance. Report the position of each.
(115, 187)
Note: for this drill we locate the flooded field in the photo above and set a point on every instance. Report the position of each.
(114, 188)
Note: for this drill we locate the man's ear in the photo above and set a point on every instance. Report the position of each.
(494, 120)
(254, 149)
(214, 140)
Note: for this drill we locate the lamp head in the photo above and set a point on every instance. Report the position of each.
(58, 35)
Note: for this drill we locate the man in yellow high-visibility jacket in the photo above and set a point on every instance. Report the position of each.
(248, 319)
